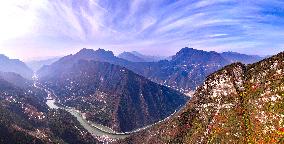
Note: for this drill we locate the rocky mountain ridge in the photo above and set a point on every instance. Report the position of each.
(241, 104)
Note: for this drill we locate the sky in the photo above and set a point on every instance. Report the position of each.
(32, 29)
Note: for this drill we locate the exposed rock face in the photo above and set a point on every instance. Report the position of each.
(238, 104)
(112, 95)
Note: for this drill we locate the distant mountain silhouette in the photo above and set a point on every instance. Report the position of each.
(243, 58)
(35, 65)
(16, 66)
(148, 58)
(135, 56)
(131, 57)
(110, 94)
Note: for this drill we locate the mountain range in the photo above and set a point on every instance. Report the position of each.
(232, 102)
(35, 65)
(135, 56)
(184, 72)
(243, 58)
(100, 84)
(230, 56)
(238, 104)
(110, 94)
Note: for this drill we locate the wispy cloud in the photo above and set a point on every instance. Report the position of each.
(58, 26)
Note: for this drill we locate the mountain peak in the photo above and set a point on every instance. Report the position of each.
(189, 51)
(90, 52)
(85, 51)
(104, 52)
(186, 50)
(193, 56)
(131, 57)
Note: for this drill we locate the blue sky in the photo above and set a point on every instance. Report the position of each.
(42, 28)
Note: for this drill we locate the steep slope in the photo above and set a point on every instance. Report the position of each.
(187, 69)
(112, 95)
(89, 54)
(26, 119)
(243, 58)
(238, 104)
(16, 79)
(130, 57)
(16, 66)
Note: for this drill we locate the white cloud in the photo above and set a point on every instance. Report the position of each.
(217, 35)
(17, 18)
(141, 24)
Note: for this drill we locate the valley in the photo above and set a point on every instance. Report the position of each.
(105, 102)
(239, 103)
(142, 72)
(111, 95)
(93, 128)
(102, 133)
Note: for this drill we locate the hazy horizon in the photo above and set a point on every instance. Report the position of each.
(44, 28)
(116, 54)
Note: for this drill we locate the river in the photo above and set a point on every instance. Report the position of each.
(97, 130)
(93, 128)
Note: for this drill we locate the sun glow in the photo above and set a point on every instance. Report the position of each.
(18, 18)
